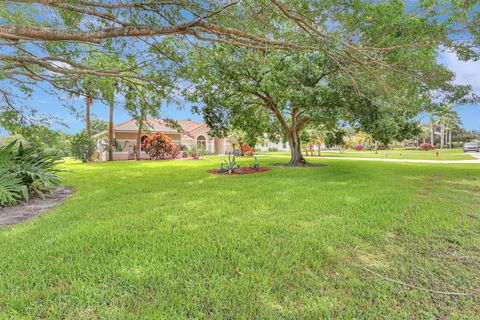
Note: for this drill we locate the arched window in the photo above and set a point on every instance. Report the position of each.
(202, 142)
(142, 139)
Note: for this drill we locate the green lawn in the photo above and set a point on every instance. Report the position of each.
(167, 240)
(444, 154)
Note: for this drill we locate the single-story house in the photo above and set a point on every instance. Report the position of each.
(188, 132)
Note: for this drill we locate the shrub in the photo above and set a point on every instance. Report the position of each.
(426, 146)
(359, 147)
(272, 149)
(195, 151)
(82, 147)
(249, 151)
(255, 165)
(25, 170)
(159, 146)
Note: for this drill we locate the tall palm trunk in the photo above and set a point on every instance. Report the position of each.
(88, 126)
(431, 133)
(442, 136)
(88, 130)
(139, 135)
(110, 128)
(450, 138)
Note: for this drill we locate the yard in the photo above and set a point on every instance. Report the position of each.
(443, 154)
(165, 239)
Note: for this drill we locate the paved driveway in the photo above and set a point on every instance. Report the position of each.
(476, 155)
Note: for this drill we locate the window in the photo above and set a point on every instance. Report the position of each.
(202, 142)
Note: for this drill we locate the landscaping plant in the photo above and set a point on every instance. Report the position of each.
(255, 165)
(81, 147)
(359, 147)
(195, 151)
(426, 146)
(25, 170)
(159, 146)
(230, 166)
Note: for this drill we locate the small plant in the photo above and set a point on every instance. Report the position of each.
(230, 166)
(359, 147)
(195, 151)
(426, 146)
(272, 149)
(255, 165)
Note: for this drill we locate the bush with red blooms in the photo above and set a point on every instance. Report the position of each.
(159, 146)
(426, 146)
(250, 151)
(358, 147)
(246, 148)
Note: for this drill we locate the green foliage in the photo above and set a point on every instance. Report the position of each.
(11, 187)
(98, 125)
(255, 165)
(25, 170)
(195, 150)
(334, 138)
(82, 146)
(230, 165)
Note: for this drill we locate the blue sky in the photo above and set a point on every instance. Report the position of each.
(466, 73)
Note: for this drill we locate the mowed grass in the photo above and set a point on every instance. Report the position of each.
(444, 154)
(167, 240)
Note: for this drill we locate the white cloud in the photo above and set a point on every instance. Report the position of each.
(467, 72)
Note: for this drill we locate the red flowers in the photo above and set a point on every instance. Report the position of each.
(426, 146)
(159, 146)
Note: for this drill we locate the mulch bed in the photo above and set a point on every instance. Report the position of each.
(27, 210)
(240, 171)
(306, 165)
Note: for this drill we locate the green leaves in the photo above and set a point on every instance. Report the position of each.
(24, 170)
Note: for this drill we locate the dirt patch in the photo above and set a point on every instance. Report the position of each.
(240, 171)
(27, 210)
(303, 165)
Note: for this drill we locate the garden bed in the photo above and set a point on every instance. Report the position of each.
(240, 171)
(27, 210)
(302, 165)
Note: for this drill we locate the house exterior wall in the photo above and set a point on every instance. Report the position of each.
(128, 139)
(280, 146)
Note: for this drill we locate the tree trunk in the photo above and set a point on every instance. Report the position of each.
(295, 148)
(110, 129)
(442, 136)
(242, 153)
(88, 130)
(88, 127)
(139, 136)
(376, 147)
(431, 133)
(450, 139)
(318, 151)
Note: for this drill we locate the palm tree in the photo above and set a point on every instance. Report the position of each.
(433, 120)
(452, 122)
(445, 114)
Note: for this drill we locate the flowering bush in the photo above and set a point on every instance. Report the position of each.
(158, 146)
(358, 147)
(426, 146)
(250, 151)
